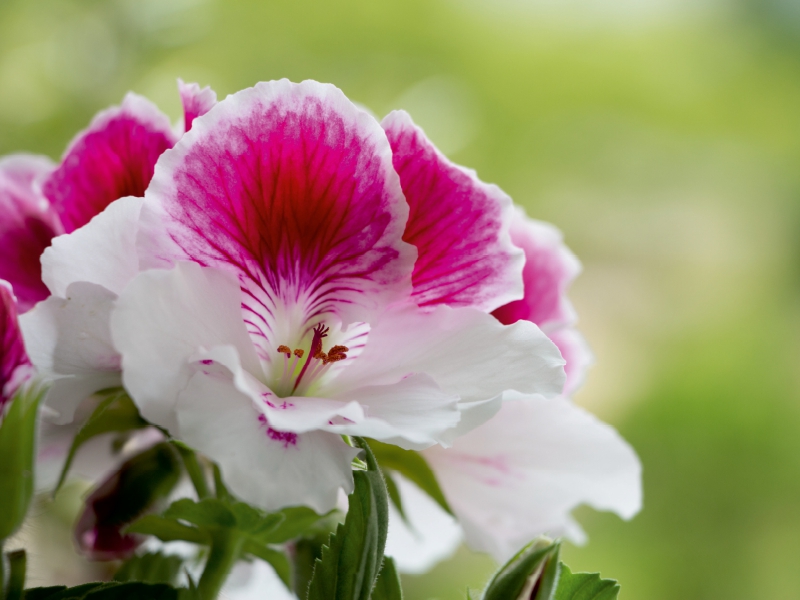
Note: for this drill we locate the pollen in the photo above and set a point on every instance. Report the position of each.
(285, 350)
(298, 352)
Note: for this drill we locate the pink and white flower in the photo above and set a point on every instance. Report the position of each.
(520, 474)
(279, 307)
(15, 367)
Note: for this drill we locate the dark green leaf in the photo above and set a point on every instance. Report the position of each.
(298, 520)
(210, 512)
(61, 592)
(585, 586)
(153, 567)
(412, 466)
(388, 585)
(394, 493)
(276, 558)
(116, 412)
(16, 579)
(521, 572)
(17, 448)
(548, 582)
(254, 521)
(105, 591)
(350, 563)
(168, 530)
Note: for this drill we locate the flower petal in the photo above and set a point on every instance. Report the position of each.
(549, 269)
(458, 224)
(196, 101)
(260, 465)
(576, 352)
(27, 224)
(465, 351)
(290, 187)
(14, 362)
(70, 343)
(162, 318)
(520, 474)
(113, 158)
(103, 251)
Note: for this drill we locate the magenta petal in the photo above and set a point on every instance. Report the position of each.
(14, 363)
(549, 269)
(291, 187)
(196, 101)
(458, 224)
(27, 224)
(113, 158)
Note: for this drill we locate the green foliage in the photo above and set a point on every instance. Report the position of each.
(350, 563)
(585, 586)
(153, 567)
(17, 448)
(411, 465)
(17, 562)
(105, 591)
(116, 412)
(523, 572)
(388, 585)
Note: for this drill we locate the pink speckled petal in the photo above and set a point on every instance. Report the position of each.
(113, 158)
(291, 188)
(14, 363)
(549, 269)
(458, 224)
(196, 101)
(27, 224)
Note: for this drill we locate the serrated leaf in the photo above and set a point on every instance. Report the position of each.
(388, 585)
(17, 449)
(116, 412)
(105, 591)
(349, 565)
(153, 567)
(168, 530)
(585, 586)
(412, 466)
(521, 572)
(209, 512)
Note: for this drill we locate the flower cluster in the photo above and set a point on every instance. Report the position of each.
(280, 272)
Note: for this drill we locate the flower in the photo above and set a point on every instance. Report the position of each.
(279, 304)
(520, 474)
(15, 367)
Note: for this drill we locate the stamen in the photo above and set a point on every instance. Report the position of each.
(298, 352)
(285, 350)
(320, 331)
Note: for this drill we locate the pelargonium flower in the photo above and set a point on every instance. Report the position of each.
(279, 307)
(15, 367)
(520, 474)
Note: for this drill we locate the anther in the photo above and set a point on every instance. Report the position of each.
(285, 350)
(298, 352)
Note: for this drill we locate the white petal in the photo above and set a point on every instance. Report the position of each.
(258, 465)
(429, 536)
(69, 342)
(520, 474)
(103, 251)
(163, 318)
(467, 352)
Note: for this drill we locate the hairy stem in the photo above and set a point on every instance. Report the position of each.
(225, 550)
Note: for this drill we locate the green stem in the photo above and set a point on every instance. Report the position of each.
(16, 574)
(226, 547)
(2, 572)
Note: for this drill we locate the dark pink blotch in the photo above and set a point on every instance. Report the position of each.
(113, 158)
(14, 362)
(456, 222)
(27, 225)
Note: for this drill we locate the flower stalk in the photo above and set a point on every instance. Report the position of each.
(226, 546)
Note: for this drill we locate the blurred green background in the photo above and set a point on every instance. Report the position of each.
(662, 137)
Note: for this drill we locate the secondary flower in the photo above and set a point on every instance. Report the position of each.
(278, 305)
(15, 367)
(520, 474)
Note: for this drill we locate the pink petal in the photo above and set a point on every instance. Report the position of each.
(576, 352)
(27, 224)
(549, 269)
(113, 158)
(458, 224)
(290, 187)
(14, 363)
(196, 101)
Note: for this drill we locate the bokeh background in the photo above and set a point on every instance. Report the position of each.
(662, 137)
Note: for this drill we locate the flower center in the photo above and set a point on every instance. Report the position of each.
(297, 377)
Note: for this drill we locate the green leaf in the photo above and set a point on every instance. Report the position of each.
(585, 586)
(193, 467)
(17, 449)
(153, 567)
(276, 558)
(394, 493)
(412, 466)
(168, 530)
(255, 522)
(548, 582)
(105, 591)
(388, 585)
(298, 520)
(350, 563)
(522, 572)
(116, 412)
(210, 512)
